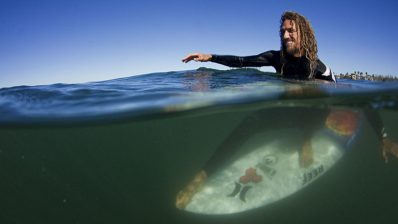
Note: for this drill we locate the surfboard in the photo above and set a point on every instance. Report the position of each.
(268, 172)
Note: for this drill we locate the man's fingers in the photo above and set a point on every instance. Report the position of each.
(186, 59)
(189, 58)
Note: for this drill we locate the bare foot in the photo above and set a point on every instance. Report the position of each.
(389, 147)
(185, 195)
(306, 156)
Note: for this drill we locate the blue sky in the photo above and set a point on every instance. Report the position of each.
(57, 41)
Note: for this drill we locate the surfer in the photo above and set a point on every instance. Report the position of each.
(296, 59)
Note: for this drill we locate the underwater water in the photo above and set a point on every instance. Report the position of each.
(119, 151)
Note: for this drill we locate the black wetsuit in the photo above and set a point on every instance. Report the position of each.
(295, 68)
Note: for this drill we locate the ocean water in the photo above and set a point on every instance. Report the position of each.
(119, 151)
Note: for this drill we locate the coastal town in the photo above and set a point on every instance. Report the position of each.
(356, 75)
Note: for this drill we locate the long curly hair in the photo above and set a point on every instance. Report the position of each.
(307, 39)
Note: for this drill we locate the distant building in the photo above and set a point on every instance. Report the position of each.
(356, 75)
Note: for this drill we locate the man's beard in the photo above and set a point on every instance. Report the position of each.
(293, 50)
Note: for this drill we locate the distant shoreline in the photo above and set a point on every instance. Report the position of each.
(352, 76)
(365, 76)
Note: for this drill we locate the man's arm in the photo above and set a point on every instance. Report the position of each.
(324, 72)
(388, 145)
(263, 59)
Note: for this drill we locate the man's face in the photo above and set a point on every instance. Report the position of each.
(291, 38)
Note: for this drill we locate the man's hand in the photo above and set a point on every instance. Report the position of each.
(197, 57)
(389, 147)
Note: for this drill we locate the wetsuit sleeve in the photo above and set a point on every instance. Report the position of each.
(263, 59)
(324, 72)
(375, 122)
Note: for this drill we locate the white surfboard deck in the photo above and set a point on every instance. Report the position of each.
(278, 165)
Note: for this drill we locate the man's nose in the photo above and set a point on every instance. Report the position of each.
(286, 34)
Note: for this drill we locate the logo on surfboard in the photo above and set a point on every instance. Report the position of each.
(251, 176)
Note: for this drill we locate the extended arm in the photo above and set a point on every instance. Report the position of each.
(264, 59)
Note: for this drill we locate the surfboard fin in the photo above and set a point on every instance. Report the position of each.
(236, 190)
(242, 195)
